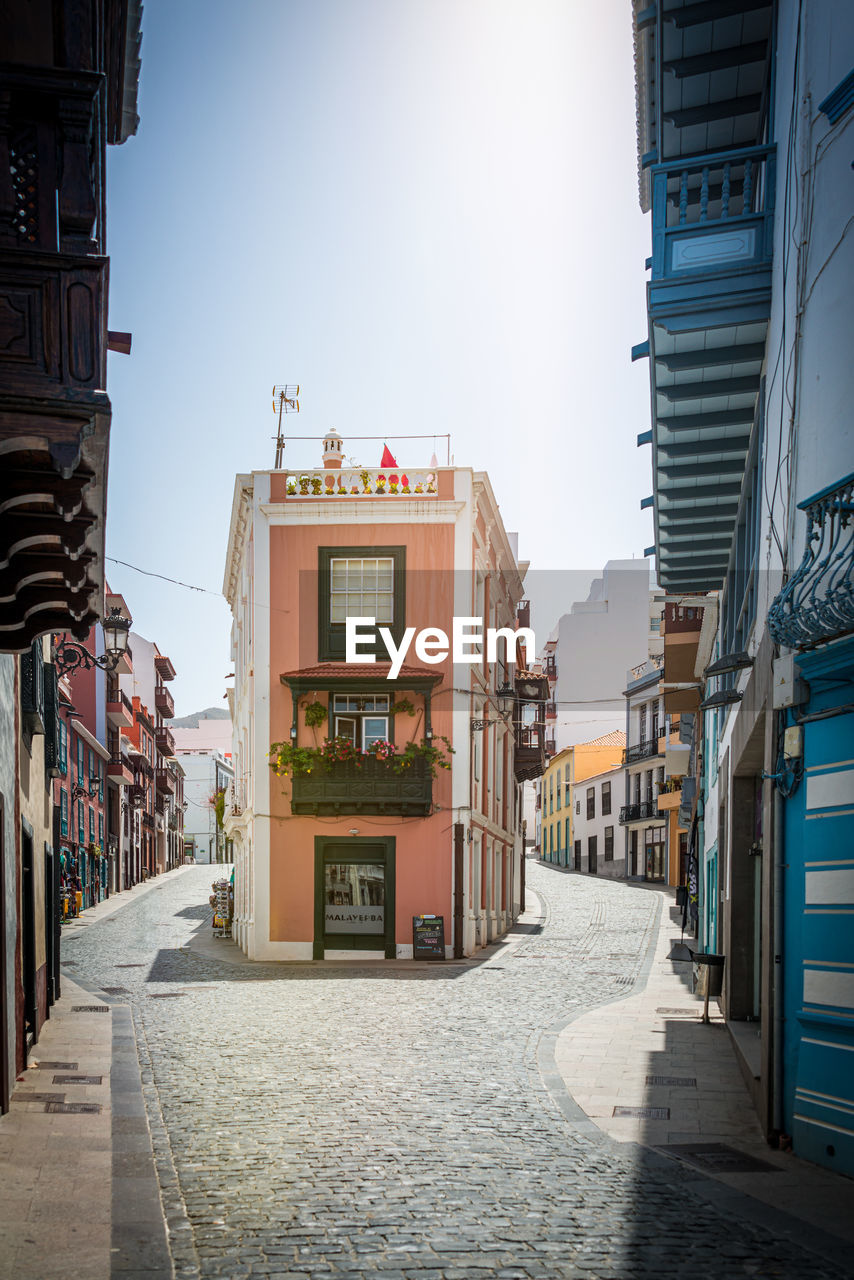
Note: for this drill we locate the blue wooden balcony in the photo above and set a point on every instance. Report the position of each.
(708, 303)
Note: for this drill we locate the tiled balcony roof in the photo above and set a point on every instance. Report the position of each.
(360, 671)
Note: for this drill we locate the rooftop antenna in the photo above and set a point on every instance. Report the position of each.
(284, 401)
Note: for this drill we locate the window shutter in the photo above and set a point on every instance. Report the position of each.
(52, 752)
(32, 689)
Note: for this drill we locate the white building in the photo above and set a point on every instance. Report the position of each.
(205, 774)
(208, 734)
(598, 847)
(592, 647)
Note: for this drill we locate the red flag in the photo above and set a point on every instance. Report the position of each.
(387, 460)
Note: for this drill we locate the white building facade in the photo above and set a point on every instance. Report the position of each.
(598, 848)
(592, 647)
(206, 773)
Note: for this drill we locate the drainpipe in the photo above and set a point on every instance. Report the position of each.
(459, 884)
(777, 981)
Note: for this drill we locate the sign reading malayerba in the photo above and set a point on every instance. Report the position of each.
(350, 919)
(428, 937)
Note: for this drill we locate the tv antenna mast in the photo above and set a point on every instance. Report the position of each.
(284, 401)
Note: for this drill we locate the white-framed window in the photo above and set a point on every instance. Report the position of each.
(361, 587)
(363, 718)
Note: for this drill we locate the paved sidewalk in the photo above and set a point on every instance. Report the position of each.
(78, 1184)
(115, 902)
(651, 1050)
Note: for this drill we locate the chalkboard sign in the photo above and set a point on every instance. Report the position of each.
(428, 937)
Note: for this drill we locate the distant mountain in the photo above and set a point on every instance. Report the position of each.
(192, 721)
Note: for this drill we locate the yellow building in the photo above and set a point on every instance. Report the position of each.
(555, 792)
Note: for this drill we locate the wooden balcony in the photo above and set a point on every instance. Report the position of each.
(671, 798)
(119, 708)
(164, 781)
(370, 787)
(164, 740)
(163, 701)
(119, 770)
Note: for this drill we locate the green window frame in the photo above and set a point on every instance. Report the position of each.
(331, 639)
(81, 822)
(63, 813)
(63, 750)
(101, 829)
(91, 823)
(80, 759)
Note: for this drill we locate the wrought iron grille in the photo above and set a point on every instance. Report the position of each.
(817, 603)
(24, 173)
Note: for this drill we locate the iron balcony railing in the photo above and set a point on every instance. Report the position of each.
(817, 603)
(641, 750)
(639, 811)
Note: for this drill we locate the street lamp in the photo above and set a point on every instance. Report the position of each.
(506, 699)
(70, 656)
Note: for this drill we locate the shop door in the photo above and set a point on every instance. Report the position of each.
(354, 895)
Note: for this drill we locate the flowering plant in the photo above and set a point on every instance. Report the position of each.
(365, 477)
(285, 758)
(316, 484)
(292, 488)
(304, 482)
(380, 483)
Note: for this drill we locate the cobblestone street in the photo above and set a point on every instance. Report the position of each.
(394, 1122)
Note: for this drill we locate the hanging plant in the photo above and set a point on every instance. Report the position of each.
(286, 759)
(315, 714)
(401, 706)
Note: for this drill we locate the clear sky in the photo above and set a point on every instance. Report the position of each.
(423, 211)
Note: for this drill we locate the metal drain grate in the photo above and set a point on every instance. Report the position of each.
(674, 1082)
(716, 1157)
(78, 1079)
(643, 1113)
(164, 995)
(116, 991)
(90, 1008)
(55, 1066)
(38, 1097)
(688, 1013)
(137, 964)
(74, 1108)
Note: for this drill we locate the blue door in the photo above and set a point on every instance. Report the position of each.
(819, 932)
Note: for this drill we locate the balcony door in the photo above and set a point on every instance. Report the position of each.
(354, 895)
